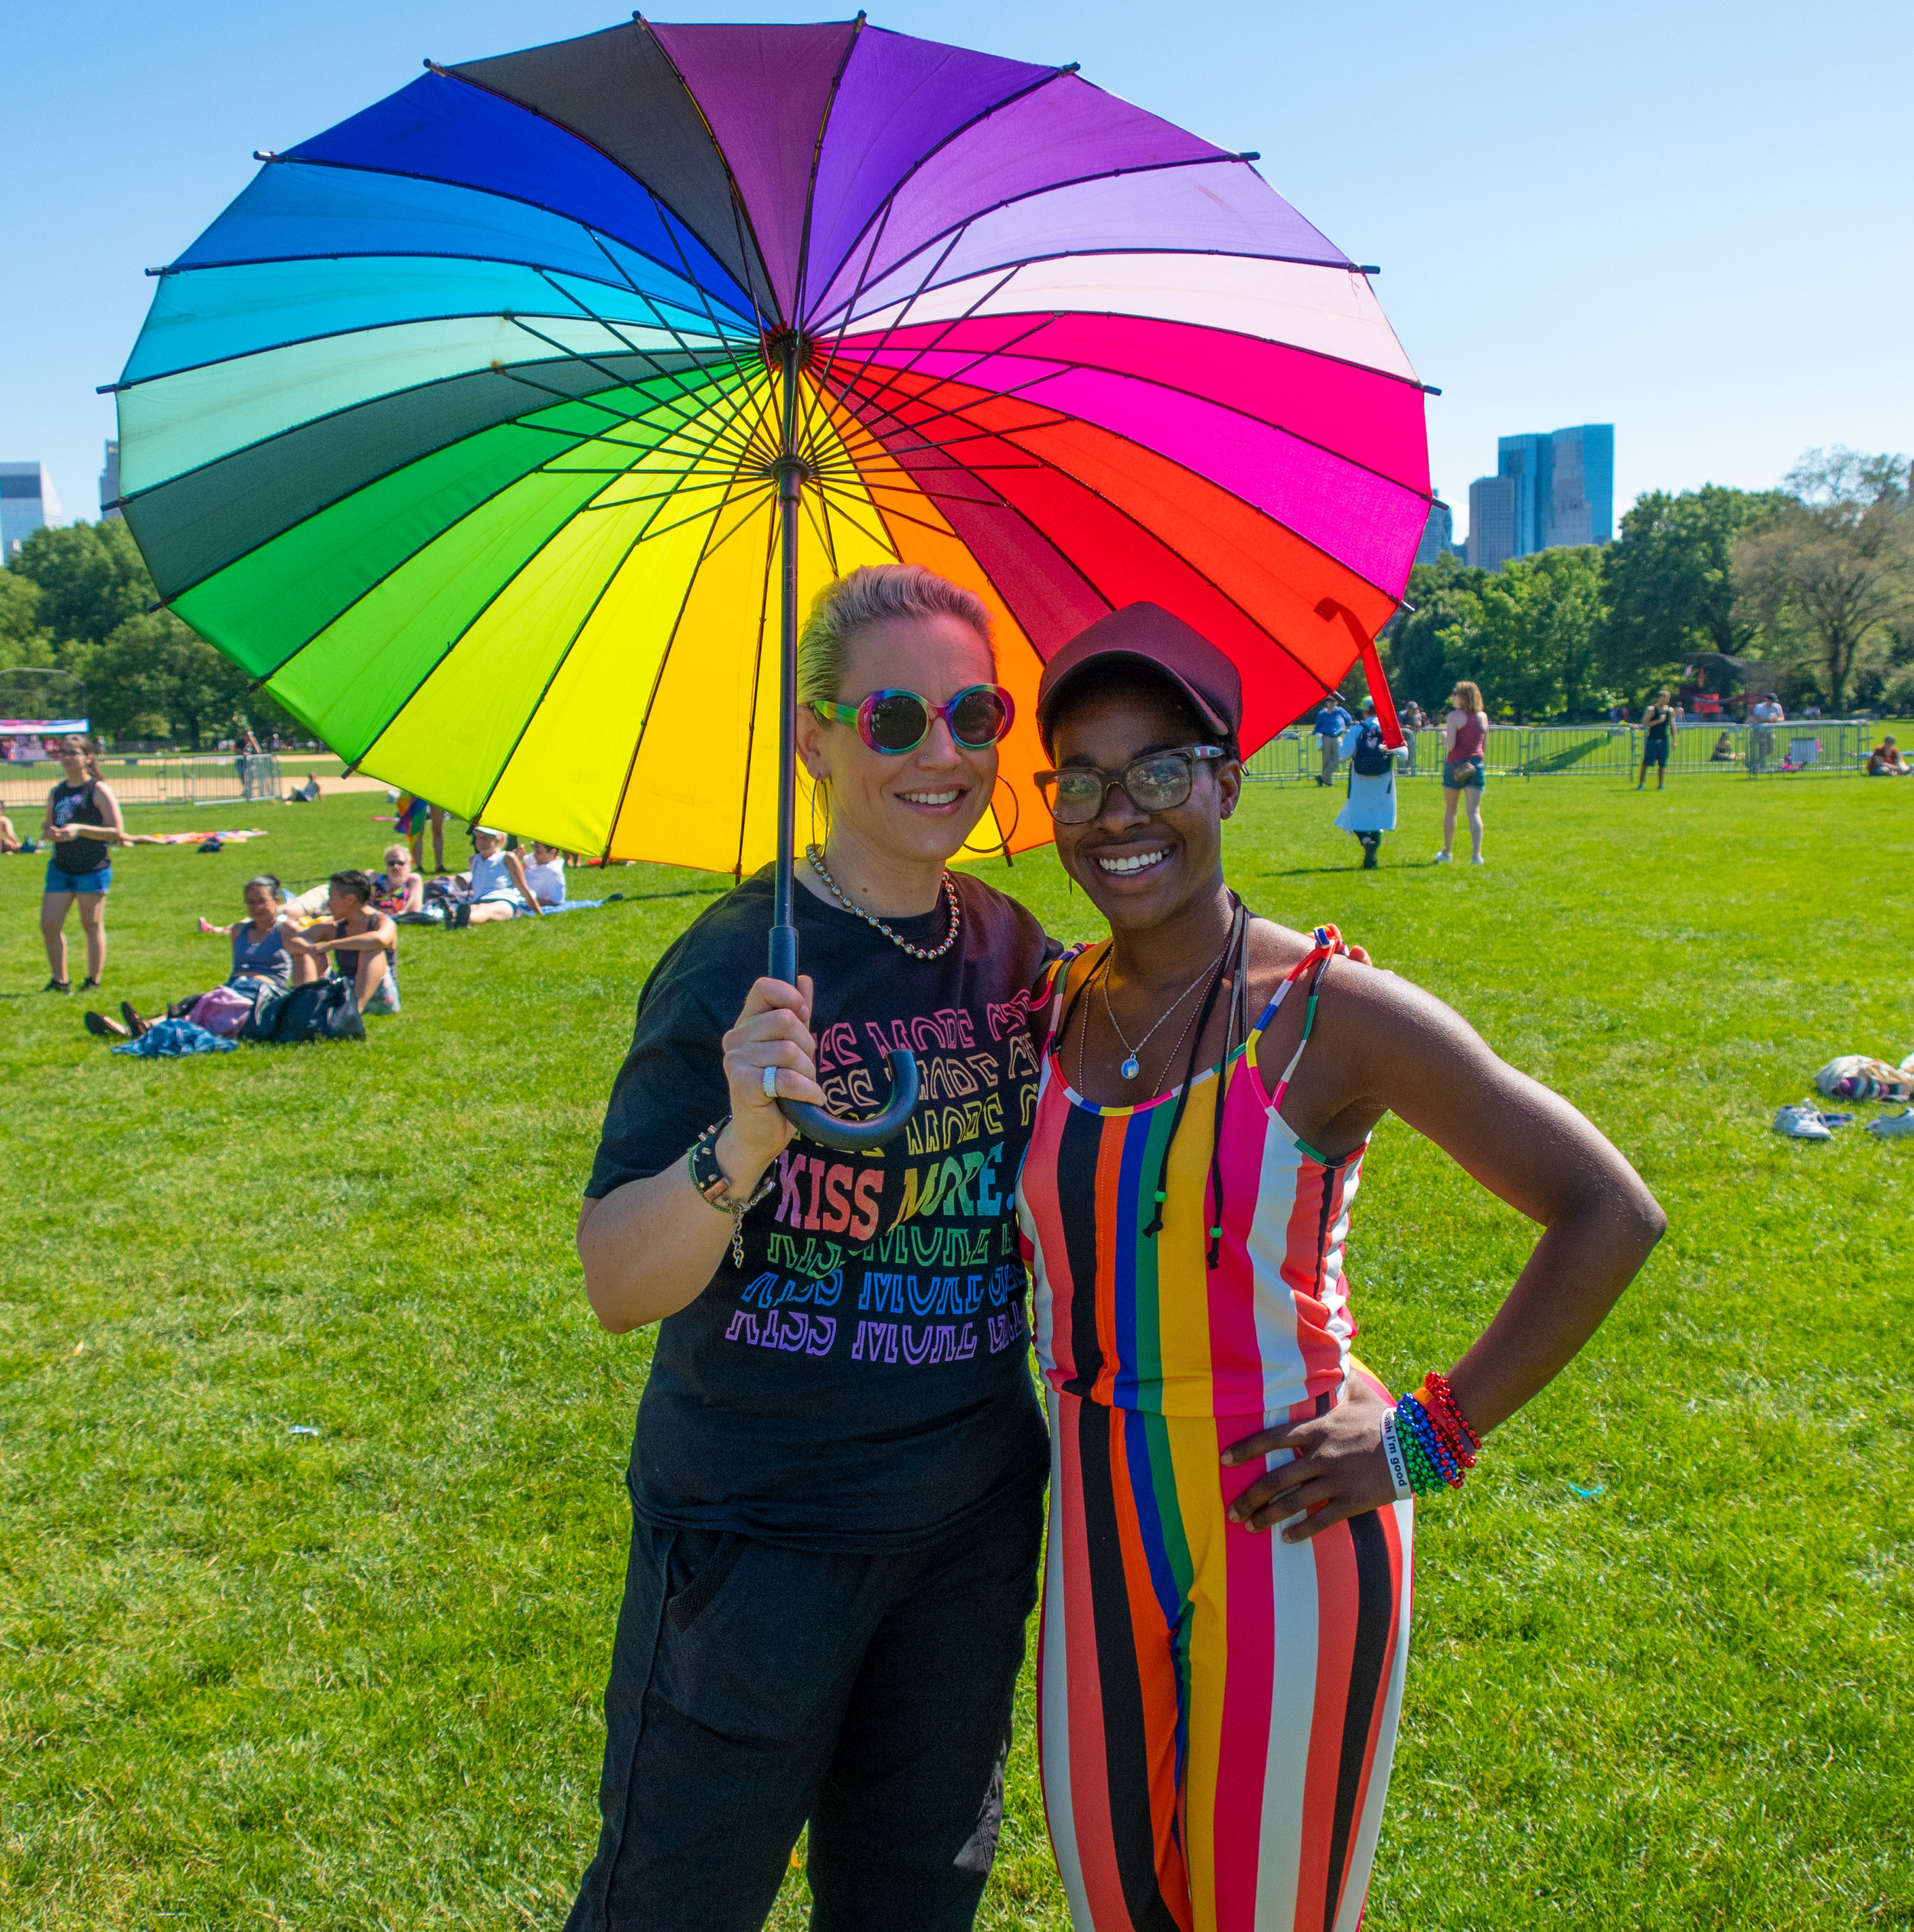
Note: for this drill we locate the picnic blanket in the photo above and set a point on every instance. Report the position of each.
(196, 838)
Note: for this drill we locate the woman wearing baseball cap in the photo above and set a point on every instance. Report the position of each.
(1226, 1587)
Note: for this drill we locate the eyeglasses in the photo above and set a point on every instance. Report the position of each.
(1157, 781)
(897, 722)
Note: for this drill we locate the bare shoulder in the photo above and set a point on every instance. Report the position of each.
(1275, 951)
(1379, 1014)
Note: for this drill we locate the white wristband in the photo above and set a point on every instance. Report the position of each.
(1398, 1466)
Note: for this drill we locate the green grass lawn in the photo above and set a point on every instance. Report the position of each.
(311, 1453)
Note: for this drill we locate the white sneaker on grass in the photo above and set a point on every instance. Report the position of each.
(1801, 1123)
(1443, 858)
(1894, 1126)
(1478, 860)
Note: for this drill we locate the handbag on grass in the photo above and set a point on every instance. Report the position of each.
(327, 1009)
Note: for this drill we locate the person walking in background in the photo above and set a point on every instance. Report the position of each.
(1369, 810)
(79, 868)
(1331, 722)
(1763, 715)
(1657, 727)
(409, 821)
(1465, 769)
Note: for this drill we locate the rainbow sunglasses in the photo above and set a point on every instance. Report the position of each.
(897, 722)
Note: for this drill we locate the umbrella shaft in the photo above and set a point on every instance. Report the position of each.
(784, 930)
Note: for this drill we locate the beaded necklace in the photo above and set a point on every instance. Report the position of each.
(897, 939)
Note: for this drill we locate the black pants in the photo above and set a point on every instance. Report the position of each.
(754, 1687)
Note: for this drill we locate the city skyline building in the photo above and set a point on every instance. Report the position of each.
(26, 502)
(1439, 533)
(1550, 488)
(110, 481)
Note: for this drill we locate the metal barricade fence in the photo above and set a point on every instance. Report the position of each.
(1814, 747)
(220, 779)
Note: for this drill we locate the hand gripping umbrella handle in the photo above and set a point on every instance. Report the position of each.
(828, 1129)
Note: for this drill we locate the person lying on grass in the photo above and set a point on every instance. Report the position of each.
(363, 943)
(500, 889)
(260, 958)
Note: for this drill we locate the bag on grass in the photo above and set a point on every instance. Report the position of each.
(327, 1009)
(225, 1010)
(1371, 760)
(1857, 1076)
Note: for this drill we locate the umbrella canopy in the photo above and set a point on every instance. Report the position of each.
(461, 428)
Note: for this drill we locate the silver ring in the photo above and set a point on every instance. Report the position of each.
(770, 1083)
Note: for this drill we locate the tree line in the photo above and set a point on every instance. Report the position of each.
(79, 598)
(1810, 588)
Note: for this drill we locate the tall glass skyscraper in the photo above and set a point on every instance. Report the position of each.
(27, 501)
(1550, 488)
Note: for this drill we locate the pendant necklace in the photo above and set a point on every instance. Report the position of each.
(1131, 1066)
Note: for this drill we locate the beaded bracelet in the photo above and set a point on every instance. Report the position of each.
(1435, 1443)
(1457, 1432)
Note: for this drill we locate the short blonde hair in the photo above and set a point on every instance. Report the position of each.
(396, 851)
(869, 595)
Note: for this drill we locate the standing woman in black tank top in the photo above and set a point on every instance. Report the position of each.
(78, 868)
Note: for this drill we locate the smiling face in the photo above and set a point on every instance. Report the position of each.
(488, 844)
(1142, 869)
(261, 905)
(921, 805)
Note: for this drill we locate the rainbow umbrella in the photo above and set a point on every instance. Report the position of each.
(500, 429)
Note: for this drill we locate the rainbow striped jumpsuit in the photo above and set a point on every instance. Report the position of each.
(1217, 1708)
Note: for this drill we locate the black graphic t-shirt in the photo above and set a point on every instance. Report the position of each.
(861, 1383)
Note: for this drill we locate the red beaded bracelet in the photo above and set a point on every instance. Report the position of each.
(1457, 1432)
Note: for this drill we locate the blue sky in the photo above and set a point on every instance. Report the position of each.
(1691, 219)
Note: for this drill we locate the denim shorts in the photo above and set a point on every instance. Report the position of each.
(1458, 776)
(77, 882)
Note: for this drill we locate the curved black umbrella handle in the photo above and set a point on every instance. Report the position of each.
(853, 1136)
(828, 1129)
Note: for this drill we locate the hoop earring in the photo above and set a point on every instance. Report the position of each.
(1016, 819)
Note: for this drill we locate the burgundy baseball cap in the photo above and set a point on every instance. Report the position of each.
(1148, 634)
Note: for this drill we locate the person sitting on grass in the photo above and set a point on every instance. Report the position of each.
(500, 889)
(363, 941)
(1884, 761)
(1724, 752)
(401, 887)
(259, 957)
(11, 841)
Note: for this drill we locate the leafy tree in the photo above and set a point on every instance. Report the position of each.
(1669, 586)
(156, 676)
(91, 577)
(1830, 576)
(1534, 651)
(1426, 650)
(24, 640)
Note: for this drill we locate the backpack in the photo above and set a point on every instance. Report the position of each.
(1370, 761)
(326, 1009)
